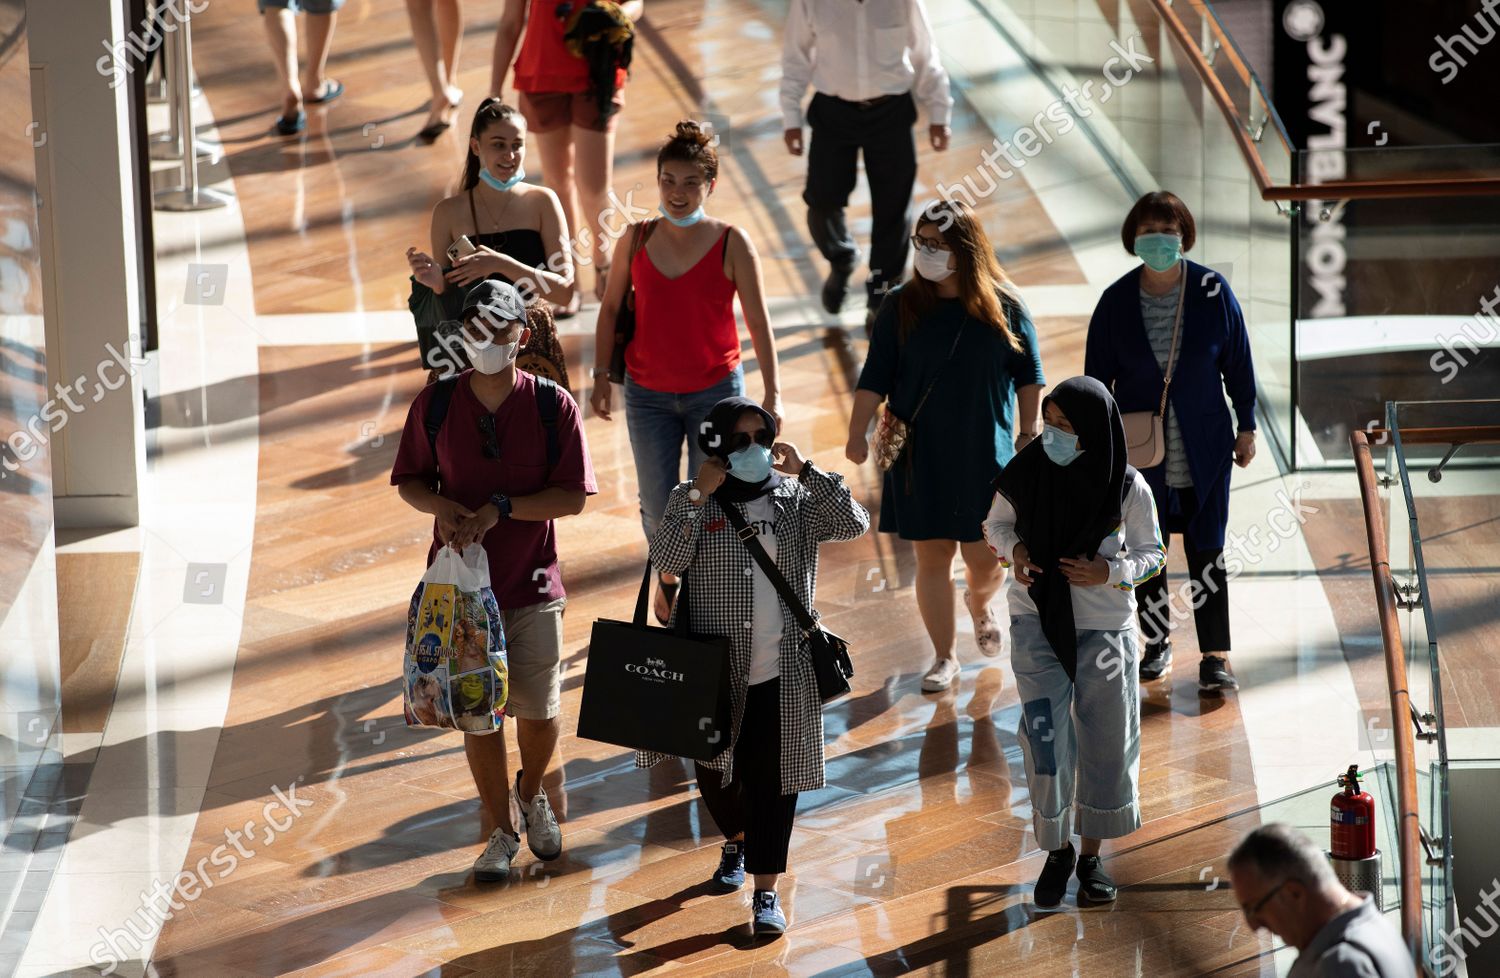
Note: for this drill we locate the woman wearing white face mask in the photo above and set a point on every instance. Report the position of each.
(953, 354)
(1130, 350)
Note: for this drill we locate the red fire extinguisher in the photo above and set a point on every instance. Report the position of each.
(1352, 819)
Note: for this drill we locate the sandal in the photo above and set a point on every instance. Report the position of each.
(669, 591)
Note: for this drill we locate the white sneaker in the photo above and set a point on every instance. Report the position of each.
(940, 676)
(493, 865)
(987, 633)
(543, 835)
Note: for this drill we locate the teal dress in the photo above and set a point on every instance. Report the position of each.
(942, 486)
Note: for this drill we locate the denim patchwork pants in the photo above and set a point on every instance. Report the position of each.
(1082, 739)
(658, 422)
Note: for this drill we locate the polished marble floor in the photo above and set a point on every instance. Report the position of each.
(272, 456)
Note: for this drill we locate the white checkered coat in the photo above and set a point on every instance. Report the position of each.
(699, 543)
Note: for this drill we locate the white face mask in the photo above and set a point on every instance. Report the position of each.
(491, 358)
(933, 267)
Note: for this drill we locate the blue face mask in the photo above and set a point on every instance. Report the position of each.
(684, 222)
(515, 178)
(1060, 446)
(1159, 251)
(750, 464)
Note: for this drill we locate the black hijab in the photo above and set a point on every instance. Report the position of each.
(1068, 510)
(714, 436)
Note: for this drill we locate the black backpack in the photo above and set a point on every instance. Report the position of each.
(547, 397)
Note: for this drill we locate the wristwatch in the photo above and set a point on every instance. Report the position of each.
(502, 503)
(600, 372)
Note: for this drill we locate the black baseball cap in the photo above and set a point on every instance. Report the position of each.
(498, 301)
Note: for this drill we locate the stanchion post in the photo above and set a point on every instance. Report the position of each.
(190, 196)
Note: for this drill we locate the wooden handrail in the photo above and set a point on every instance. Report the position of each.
(1408, 829)
(1460, 435)
(1454, 186)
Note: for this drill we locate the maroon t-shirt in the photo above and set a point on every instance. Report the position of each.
(522, 553)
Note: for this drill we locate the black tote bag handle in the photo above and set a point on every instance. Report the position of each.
(680, 627)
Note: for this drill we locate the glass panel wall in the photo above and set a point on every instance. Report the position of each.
(29, 687)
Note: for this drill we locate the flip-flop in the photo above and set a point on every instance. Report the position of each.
(290, 125)
(335, 89)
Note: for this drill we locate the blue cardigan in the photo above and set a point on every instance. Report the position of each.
(1213, 355)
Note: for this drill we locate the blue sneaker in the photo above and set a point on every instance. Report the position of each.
(730, 875)
(769, 919)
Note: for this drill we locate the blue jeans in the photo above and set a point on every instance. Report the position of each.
(658, 423)
(1081, 738)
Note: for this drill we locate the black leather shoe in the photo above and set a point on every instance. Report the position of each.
(1156, 660)
(1052, 885)
(836, 288)
(1094, 884)
(1214, 675)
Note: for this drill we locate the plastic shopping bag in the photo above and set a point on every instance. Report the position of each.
(455, 673)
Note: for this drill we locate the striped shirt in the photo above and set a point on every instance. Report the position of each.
(1159, 312)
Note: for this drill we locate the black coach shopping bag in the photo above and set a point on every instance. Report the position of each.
(657, 689)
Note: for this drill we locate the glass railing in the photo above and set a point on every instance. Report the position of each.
(1161, 125)
(1443, 533)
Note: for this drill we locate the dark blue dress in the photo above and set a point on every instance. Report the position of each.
(941, 488)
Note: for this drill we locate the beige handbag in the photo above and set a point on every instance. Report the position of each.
(1145, 431)
(891, 433)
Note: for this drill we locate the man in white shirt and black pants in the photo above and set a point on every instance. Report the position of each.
(877, 62)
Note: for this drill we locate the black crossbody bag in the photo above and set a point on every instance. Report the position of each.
(829, 653)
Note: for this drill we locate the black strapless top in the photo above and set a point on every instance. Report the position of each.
(522, 244)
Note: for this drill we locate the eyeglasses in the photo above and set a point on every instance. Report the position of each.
(928, 245)
(491, 440)
(740, 440)
(1253, 910)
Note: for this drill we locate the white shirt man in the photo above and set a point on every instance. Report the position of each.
(870, 63)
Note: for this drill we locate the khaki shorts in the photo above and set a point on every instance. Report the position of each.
(533, 653)
(546, 111)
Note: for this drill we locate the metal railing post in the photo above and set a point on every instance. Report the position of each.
(190, 196)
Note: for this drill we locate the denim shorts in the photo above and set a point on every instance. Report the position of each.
(301, 6)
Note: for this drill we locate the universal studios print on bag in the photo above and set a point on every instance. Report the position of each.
(455, 673)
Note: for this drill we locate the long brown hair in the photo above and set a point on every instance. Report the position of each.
(983, 286)
(490, 111)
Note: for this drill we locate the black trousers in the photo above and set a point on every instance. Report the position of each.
(753, 802)
(840, 132)
(1209, 598)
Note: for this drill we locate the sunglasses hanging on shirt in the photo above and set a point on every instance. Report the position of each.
(491, 440)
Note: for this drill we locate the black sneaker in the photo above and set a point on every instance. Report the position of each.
(1052, 885)
(1156, 660)
(836, 288)
(1094, 884)
(1214, 676)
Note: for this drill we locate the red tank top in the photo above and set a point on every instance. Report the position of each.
(545, 64)
(686, 339)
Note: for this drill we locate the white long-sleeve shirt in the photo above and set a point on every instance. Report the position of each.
(870, 48)
(1133, 551)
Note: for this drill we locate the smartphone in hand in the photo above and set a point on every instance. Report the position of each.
(460, 248)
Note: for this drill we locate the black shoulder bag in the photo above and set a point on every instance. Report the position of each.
(829, 653)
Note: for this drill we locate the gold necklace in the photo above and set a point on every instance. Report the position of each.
(509, 196)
